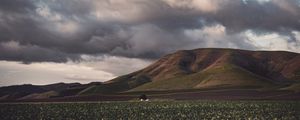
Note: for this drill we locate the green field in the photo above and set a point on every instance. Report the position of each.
(154, 110)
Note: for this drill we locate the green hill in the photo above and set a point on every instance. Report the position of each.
(209, 69)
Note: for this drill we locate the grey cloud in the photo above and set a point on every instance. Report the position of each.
(13, 51)
(253, 15)
(59, 30)
(16, 6)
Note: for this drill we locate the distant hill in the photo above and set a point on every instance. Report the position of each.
(37, 91)
(203, 69)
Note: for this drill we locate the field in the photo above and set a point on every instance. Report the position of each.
(152, 110)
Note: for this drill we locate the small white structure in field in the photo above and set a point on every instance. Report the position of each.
(144, 100)
(143, 97)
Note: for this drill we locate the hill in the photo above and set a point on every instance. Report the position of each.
(29, 91)
(231, 72)
(211, 68)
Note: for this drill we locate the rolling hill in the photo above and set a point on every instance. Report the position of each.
(211, 68)
(204, 69)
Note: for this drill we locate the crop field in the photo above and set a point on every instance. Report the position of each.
(153, 110)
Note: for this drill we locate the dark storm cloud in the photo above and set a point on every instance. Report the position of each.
(16, 6)
(13, 51)
(59, 30)
(274, 15)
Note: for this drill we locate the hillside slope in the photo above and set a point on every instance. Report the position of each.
(229, 71)
(210, 68)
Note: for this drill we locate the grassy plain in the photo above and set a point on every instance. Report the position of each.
(152, 110)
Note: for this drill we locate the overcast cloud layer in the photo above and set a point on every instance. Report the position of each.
(61, 31)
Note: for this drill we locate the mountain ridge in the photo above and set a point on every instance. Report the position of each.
(195, 70)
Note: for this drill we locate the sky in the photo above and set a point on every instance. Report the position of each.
(50, 41)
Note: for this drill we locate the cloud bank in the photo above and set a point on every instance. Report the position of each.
(59, 31)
